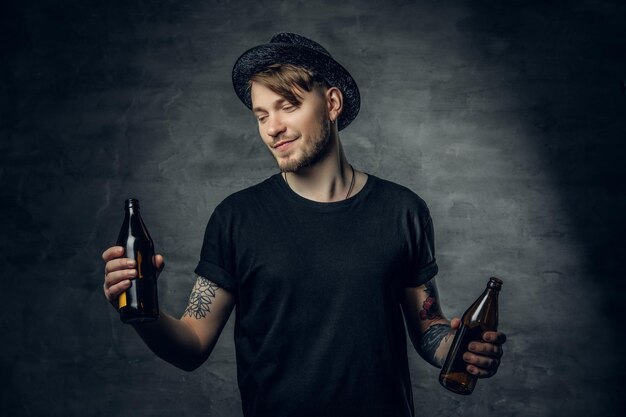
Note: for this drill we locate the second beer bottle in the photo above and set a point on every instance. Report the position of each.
(139, 303)
(482, 316)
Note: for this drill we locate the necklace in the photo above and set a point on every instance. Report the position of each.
(349, 189)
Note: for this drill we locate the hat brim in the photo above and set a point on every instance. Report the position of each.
(259, 57)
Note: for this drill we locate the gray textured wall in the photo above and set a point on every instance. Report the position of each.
(508, 118)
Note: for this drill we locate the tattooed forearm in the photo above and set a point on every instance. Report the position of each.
(201, 298)
(431, 339)
(430, 307)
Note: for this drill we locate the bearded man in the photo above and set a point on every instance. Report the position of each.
(322, 262)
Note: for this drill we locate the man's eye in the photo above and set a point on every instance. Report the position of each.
(261, 119)
(289, 108)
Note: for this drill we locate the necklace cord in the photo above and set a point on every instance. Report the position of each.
(349, 188)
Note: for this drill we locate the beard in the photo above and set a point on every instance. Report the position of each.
(313, 151)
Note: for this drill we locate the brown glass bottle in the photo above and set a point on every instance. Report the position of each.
(139, 303)
(480, 317)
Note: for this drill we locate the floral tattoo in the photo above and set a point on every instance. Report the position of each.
(430, 307)
(201, 298)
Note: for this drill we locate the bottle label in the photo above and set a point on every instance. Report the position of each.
(122, 300)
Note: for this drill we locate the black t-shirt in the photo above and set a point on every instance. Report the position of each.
(318, 327)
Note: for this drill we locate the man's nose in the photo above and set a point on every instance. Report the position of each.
(275, 126)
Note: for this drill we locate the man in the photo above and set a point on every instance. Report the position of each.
(321, 260)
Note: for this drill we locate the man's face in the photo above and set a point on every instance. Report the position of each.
(297, 136)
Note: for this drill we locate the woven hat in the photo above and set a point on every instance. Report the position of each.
(291, 48)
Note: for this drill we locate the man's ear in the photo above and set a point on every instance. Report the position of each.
(334, 102)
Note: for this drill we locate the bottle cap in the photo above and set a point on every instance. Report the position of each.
(131, 203)
(495, 283)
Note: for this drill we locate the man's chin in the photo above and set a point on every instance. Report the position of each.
(287, 168)
(289, 165)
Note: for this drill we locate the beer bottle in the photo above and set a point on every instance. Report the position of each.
(480, 317)
(139, 303)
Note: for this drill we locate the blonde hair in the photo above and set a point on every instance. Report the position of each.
(286, 79)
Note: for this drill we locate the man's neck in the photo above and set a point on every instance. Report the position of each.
(326, 181)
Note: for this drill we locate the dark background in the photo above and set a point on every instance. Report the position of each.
(508, 118)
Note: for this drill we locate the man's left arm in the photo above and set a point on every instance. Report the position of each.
(432, 334)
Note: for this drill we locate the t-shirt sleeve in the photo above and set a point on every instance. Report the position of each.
(216, 257)
(422, 263)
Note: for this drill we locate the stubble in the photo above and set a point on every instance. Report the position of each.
(313, 151)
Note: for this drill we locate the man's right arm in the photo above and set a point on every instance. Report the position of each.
(186, 342)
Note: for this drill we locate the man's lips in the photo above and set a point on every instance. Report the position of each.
(283, 144)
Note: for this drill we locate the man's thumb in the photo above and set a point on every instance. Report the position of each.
(159, 262)
(455, 323)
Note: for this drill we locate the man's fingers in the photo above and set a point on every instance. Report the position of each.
(481, 366)
(487, 349)
(481, 361)
(112, 253)
(113, 278)
(483, 358)
(119, 271)
(481, 372)
(494, 337)
(119, 264)
(114, 291)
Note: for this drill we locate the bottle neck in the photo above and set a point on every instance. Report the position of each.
(131, 206)
(492, 292)
(478, 312)
(132, 211)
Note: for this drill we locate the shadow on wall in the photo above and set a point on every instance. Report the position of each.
(570, 60)
(13, 38)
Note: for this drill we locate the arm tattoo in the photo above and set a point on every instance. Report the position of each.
(448, 336)
(431, 339)
(430, 307)
(201, 298)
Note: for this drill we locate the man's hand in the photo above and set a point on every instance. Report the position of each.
(483, 357)
(118, 272)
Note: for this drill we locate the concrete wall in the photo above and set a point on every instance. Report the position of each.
(508, 118)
